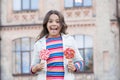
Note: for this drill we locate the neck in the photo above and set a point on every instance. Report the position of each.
(53, 36)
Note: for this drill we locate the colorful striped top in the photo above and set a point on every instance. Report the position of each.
(55, 64)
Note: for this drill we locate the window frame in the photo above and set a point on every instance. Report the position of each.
(83, 50)
(22, 6)
(14, 55)
(73, 5)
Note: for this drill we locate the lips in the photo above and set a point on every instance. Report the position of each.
(53, 28)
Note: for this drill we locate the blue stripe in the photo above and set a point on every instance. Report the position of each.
(55, 64)
(77, 67)
(56, 54)
(54, 46)
(55, 73)
(53, 39)
(81, 66)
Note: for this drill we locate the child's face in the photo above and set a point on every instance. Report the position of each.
(53, 26)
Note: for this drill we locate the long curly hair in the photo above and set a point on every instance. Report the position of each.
(45, 21)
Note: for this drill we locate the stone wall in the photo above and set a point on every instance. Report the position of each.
(96, 21)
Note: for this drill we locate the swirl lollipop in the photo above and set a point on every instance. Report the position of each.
(69, 53)
(44, 54)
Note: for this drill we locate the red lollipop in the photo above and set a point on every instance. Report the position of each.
(69, 53)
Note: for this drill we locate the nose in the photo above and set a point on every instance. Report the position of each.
(54, 23)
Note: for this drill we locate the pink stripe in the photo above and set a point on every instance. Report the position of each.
(55, 78)
(56, 68)
(54, 42)
(56, 50)
(55, 59)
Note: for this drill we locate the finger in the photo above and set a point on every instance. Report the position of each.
(42, 63)
(71, 67)
(69, 62)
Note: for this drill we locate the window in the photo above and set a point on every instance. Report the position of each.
(77, 3)
(23, 5)
(85, 45)
(22, 49)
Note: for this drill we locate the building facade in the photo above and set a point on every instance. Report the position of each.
(93, 24)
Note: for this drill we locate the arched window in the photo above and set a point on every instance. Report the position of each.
(77, 3)
(22, 48)
(85, 45)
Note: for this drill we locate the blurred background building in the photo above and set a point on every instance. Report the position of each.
(0, 39)
(93, 23)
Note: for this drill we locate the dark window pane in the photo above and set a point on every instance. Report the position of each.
(25, 44)
(81, 52)
(26, 4)
(78, 2)
(17, 5)
(18, 62)
(32, 43)
(18, 45)
(22, 52)
(25, 62)
(89, 60)
(85, 45)
(68, 3)
(87, 2)
(34, 4)
(83, 56)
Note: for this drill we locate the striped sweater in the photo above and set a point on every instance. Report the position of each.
(55, 64)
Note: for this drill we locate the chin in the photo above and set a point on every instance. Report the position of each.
(54, 35)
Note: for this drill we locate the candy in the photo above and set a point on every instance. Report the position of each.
(44, 54)
(69, 53)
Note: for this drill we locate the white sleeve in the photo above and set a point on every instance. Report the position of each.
(77, 53)
(35, 55)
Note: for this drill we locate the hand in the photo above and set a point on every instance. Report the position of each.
(71, 67)
(38, 67)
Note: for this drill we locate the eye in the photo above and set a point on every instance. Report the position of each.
(50, 21)
(57, 21)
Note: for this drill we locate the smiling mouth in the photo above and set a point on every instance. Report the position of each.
(53, 28)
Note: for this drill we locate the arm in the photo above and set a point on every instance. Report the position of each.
(78, 60)
(36, 65)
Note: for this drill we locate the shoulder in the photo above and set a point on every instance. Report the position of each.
(67, 36)
(40, 41)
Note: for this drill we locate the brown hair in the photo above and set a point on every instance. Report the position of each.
(45, 21)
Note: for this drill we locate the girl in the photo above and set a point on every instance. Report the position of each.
(54, 39)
